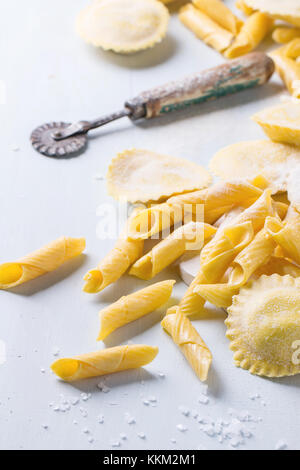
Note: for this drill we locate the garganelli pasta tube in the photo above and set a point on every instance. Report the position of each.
(216, 260)
(292, 49)
(220, 13)
(220, 252)
(288, 69)
(285, 34)
(240, 4)
(40, 262)
(188, 237)
(287, 234)
(189, 341)
(115, 263)
(215, 200)
(256, 254)
(134, 306)
(205, 28)
(255, 28)
(106, 361)
(275, 265)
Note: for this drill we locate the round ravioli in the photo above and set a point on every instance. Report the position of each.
(141, 175)
(247, 160)
(287, 10)
(281, 123)
(123, 25)
(264, 326)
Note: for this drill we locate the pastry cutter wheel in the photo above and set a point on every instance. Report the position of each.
(60, 139)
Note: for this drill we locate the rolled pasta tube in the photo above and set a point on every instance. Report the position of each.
(216, 200)
(215, 263)
(219, 253)
(286, 234)
(40, 262)
(255, 28)
(285, 34)
(205, 28)
(188, 237)
(256, 254)
(292, 49)
(244, 8)
(220, 13)
(115, 263)
(275, 265)
(134, 306)
(289, 71)
(258, 212)
(106, 361)
(189, 341)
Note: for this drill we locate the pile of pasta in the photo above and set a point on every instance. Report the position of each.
(247, 237)
(215, 24)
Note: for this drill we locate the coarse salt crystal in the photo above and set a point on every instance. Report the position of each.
(281, 445)
(181, 427)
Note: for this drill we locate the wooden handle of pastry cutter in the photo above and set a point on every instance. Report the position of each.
(239, 74)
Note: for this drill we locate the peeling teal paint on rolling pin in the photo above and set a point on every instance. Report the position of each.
(214, 93)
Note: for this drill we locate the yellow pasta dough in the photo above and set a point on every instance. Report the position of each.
(220, 13)
(287, 234)
(240, 4)
(40, 262)
(292, 49)
(133, 306)
(214, 261)
(287, 10)
(123, 26)
(106, 361)
(256, 27)
(248, 159)
(264, 326)
(219, 253)
(188, 237)
(189, 341)
(288, 69)
(205, 28)
(115, 263)
(141, 175)
(281, 123)
(285, 34)
(276, 265)
(210, 203)
(256, 254)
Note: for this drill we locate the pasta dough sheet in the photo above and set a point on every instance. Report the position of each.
(40, 262)
(106, 361)
(134, 306)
